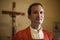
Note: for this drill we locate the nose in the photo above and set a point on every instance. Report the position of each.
(38, 14)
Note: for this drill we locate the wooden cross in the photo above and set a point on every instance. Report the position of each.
(13, 15)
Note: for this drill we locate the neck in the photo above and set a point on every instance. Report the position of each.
(36, 26)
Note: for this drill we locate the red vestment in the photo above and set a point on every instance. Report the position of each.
(26, 35)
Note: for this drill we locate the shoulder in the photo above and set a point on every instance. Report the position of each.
(49, 34)
(23, 31)
(21, 34)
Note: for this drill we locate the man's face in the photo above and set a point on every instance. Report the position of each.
(37, 14)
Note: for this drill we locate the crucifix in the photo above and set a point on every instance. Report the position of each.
(13, 16)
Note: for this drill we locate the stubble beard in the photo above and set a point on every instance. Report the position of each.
(35, 25)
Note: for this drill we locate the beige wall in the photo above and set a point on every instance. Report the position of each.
(52, 14)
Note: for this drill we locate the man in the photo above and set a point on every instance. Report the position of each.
(35, 30)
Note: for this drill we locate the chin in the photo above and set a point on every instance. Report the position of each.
(39, 22)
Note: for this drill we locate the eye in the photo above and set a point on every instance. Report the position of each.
(41, 12)
(35, 12)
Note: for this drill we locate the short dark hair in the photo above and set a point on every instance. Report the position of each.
(34, 4)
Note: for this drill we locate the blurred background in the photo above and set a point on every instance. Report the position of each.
(51, 20)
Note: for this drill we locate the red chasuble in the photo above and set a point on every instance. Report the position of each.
(26, 35)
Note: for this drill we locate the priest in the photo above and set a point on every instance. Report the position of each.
(34, 30)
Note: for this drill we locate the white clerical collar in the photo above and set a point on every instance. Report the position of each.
(37, 35)
(34, 30)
